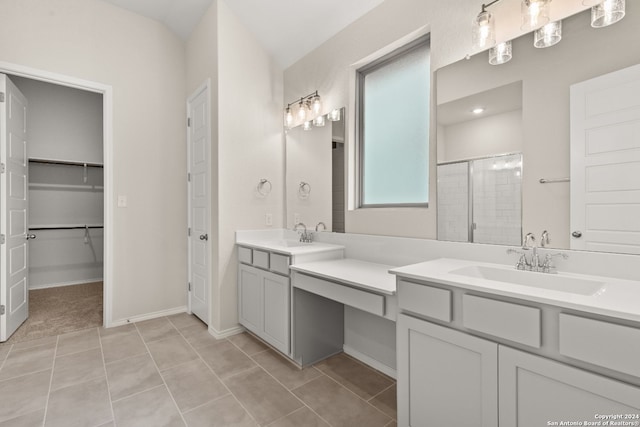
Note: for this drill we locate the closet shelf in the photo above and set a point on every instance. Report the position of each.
(36, 185)
(64, 227)
(65, 163)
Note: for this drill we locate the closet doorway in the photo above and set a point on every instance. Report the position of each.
(65, 223)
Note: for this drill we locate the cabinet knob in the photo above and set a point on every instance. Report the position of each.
(577, 234)
(31, 236)
(204, 237)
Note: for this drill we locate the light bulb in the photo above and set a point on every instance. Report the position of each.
(302, 111)
(288, 118)
(334, 115)
(535, 14)
(483, 35)
(318, 121)
(548, 35)
(316, 105)
(606, 13)
(500, 54)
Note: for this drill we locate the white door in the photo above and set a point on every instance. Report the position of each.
(605, 162)
(199, 142)
(14, 289)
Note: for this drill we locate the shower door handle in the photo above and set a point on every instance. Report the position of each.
(30, 236)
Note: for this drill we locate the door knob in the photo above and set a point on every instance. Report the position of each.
(577, 234)
(30, 236)
(204, 237)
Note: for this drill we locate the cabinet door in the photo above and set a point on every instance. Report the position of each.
(535, 391)
(445, 377)
(276, 311)
(250, 298)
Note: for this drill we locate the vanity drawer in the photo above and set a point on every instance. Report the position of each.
(245, 255)
(260, 259)
(513, 322)
(602, 343)
(425, 300)
(363, 300)
(280, 264)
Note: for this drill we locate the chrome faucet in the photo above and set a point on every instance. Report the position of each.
(530, 243)
(305, 236)
(324, 226)
(533, 263)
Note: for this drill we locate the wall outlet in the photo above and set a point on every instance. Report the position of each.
(122, 201)
(268, 219)
(296, 218)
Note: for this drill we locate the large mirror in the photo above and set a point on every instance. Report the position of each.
(530, 110)
(315, 175)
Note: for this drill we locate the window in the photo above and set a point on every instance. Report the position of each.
(393, 128)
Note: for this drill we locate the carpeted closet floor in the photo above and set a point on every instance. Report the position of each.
(55, 311)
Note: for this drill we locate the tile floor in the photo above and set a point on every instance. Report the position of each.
(171, 372)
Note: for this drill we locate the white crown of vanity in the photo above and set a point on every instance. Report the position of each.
(477, 343)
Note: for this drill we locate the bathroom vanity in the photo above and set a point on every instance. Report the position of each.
(485, 344)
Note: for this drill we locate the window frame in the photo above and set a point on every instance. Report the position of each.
(360, 74)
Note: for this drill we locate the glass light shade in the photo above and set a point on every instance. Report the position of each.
(535, 14)
(316, 105)
(303, 110)
(606, 13)
(501, 53)
(288, 118)
(484, 34)
(307, 125)
(318, 121)
(548, 35)
(334, 115)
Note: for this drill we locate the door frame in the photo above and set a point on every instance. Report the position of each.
(107, 148)
(206, 87)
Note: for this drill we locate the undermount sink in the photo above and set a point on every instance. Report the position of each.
(554, 282)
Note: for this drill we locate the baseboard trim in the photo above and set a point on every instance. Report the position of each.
(148, 316)
(57, 285)
(226, 333)
(368, 360)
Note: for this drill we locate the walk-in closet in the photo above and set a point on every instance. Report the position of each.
(65, 208)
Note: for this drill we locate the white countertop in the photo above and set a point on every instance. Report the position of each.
(285, 246)
(618, 298)
(360, 274)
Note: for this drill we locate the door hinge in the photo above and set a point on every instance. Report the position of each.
(189, 231)
(189, 286)
(188, 122)
(189, 176)
(2, 239)
(1, 310)
(2, 167)
(1, 96)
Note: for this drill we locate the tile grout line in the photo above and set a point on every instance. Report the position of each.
(160, 373)
(213, 372)
(356, 395)
(382, 391)
(106, 378)
(304, 404)
(53, 367)
(6, 356)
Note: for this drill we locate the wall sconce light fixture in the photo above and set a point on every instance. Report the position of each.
(548, 35)
(500, 54)
(535, 14)
(306, 109)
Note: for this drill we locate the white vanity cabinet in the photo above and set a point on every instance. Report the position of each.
(264, 298)
(536, 391)
(476, 359)
(445, 377)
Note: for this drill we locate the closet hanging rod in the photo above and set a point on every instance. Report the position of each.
(66, 227)
(66, 163)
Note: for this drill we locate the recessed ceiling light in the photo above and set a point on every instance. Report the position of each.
(478, 110)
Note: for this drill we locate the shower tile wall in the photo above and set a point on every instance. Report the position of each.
(497, 200)
(453, 202)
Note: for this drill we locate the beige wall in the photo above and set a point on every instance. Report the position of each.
(145, 64)
(247, 142)
(326, 69)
